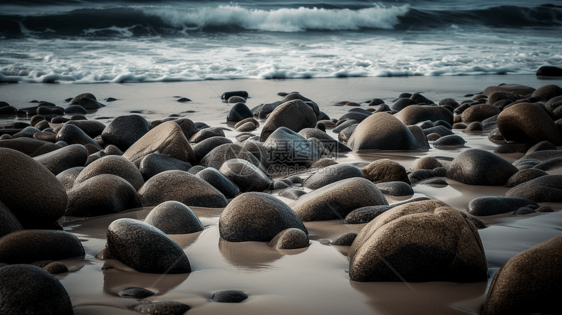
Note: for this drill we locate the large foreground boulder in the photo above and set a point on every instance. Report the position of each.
(336, 200)
(528, 123)
(479, 167)
(32, 192)
(145, 248)
(421, 241)
(183, 187)
(30, 290)
(294, 115)
(382, 131)
(167, 138)
(256, 217)
(529, 283)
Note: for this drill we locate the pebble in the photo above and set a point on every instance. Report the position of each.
(229, 296)
(484, 206)
(291, 238)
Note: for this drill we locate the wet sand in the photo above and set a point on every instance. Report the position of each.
(304, 281)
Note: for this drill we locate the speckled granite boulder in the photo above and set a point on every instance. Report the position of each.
(385, 170)
(479, 167)
(528, 123)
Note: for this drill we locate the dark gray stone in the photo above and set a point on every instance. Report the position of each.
(115, 165)
(172, 217)
(527, 123)
(485, 206)
(541, 146)
(382, 131)
(224, 152)
(163, 308)
(206, 133)
(395, 188)
(291, 238)
(229, 296)
(449, 141)
(57, 161)
(156, 163)
(8, 222)
(550, 164)
(75, 109)
(72, 134)
(331, 174)
(219, 181)
(124, 131)
(293, 115)
(204, 147)
(414, 114)
(239, 112)
(344, 239)
(292, 194)
(27, 246)
(385, 170)
(27, 132)
(290, 148)
(333, 146)
(68, 177)
(543, 189)
(136, 293)
(524, 176)
(479, 167)
(245, 175)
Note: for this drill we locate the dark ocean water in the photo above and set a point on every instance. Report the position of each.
(138, 41)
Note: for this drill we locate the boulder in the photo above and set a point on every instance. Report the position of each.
(224, 152)
(27, 246)
(219, 181)
(229, 296)
(479, 167)
(484, 206)
(422, 241)
(183, 187)
(332, 145)
(30, 290)
(145, 248)
(57, 161)
(449, 141)
(542, 189)
(541, 146)
(163, 308)
(256, 217)
(206, 133)
(202, 148)
(92, 128)
(382, 131)
(292, 193)
(156, 163)
(529, 283)
(479, 112)
(385, 170)
(426, 163)
(115, 165)
(124, 131)
(344, 239)
(172, 217)
(100, 195)
(367, 214)
(239, 112)
(525, 122)
(294, 115)
(288, 147)
(8, 222)
(291, 238)
(331, 174)
(395, 188)
(547, 92)
(27, 132)
(414, 114)
(524, 176)
(245, 175)
(509, 88)
(72, 134)
(187, 126)
(336, 200)
(30, 191)
(68, 177)
(167, 138)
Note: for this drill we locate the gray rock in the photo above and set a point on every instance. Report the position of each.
(172, 217)
(219, 181)
(33, 194)
(156, 163)
(71, 134)
(484, 206)
(426, 163)
(238, 112)
(55, 268)
(541, 146)
(196, 169)
(329, 143)
(479, 112)
(163, 308)
(92, 128)
(547, 92)
(224, 152)
(533, 274)
(75, 109)
(8, 222)
(331, 174)
(77, 98)
(27, 246)
(440, 130)
(395, 188)
(68, 177)
(418, 133)
(433, 136)
(187, 126)
(101, 194)
(293, 115)
(474, 127)
(183, 187)
(167, 138)
(136, 293)
(291, 238)
(344, 239)
(57, 161)
(229, 296)
(245, 175)
(324, 162)
(246, 127)
(524, 176)
(115, 165)
(30, 290)
(419, 175)
(367, 214)
(45, 136)
(402, 103)
(440, 245)
(145, 248)
(256, 217)
(509, 88)
(204, 147)
(385, 170)
(124, 131)
(336, 200)
(449, 141)
(479, 167)
(382, 131)
(282, 184)
(550, 164)
(289, 147)
(206, 134)
(292, 194)
(90, 104)
(527, 123)
(414, 114)
(543, 189)
(27, 132)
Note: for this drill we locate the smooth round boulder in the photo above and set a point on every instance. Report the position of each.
(92, 128)
(287, 147)
(524, 176)
(452, 141)
(219, 181)
(292, 194)
(422, 241)
(72, 134)
(68, 177)
(8, 222)
(529, 283)
(172, 217)
(224, 152)
(426, 163)
(541, 146)
(229, 296)
(382, 131)
(333, 146)
(245, 175)
(331, 174)
(484, 206)
(256, 217)
(187, 126)
(74, 155)
(204, 147)
(395, 188)
(414, 114)
(145, 248)
(547, 92)
(166, 138)
(32, 192)
(509, 88)
(239, 112)
(156, 163)
(115, 165)
(336, 200)
(542, 189)
(124, 131)
(101, 194)
(385, 170)
(291, 238)
(479, 167)
(527, 123)
(30, 290)
(164, 308)
(479, 112)
(183, 187)
(294, 115)
(27, 246)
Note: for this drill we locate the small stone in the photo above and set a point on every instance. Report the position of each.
(450, 141)
(245, 175)
(204, 147)
(426, 163)
(172, 217)
(124, 131)
(484, 206)
(395, 188)
(229, 296)
(331, 174)
(239, 112)
(206, 134)
(385, 171)
(156, 163)
(163, 308)
(27, 246)
(344, 239)
(479, 167)
(219, 181)
(136, 293)
(291, 238)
